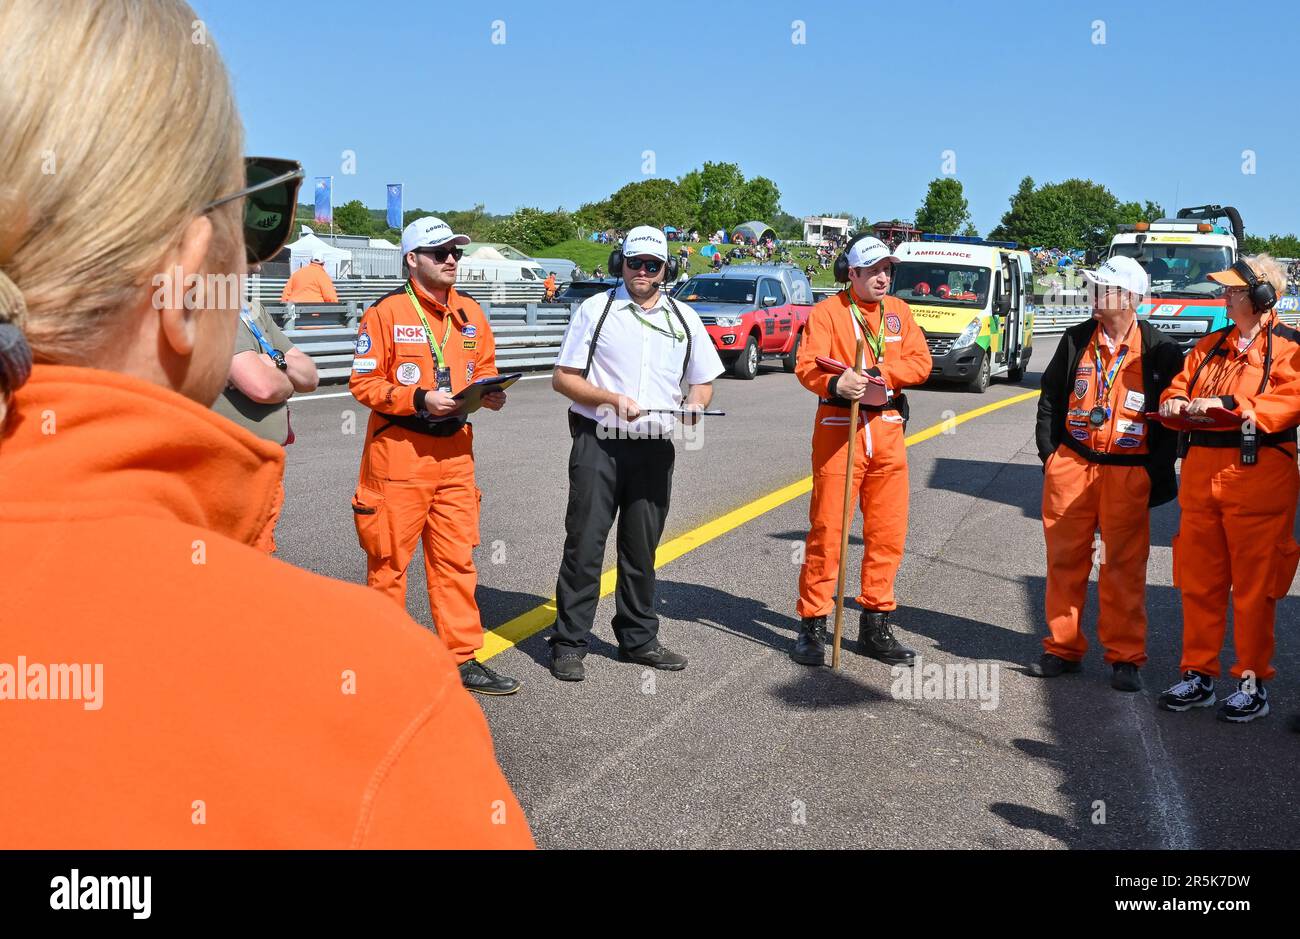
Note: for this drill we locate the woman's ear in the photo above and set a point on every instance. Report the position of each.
(178, 321)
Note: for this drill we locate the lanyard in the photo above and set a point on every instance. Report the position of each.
(1106, 381)
(877, 343)
(668, 323)
(428, 332)
(275, 354)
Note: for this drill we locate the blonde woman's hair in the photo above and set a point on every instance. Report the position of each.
(1266, 268)
(117, 127)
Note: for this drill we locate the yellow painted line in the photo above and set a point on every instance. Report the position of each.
(515, 631)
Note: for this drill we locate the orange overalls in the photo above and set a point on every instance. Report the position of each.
(309, 284)
(880, 456)
(414, 484)
(1238, 520)
(1080, 495)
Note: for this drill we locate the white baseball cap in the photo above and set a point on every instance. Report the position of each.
(429, 232)
(645, 240)
(1122, 272)
(869, 251)
(318, 256)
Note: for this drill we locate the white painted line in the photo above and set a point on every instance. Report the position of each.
(1173, 814)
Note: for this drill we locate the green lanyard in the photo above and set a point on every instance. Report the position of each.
(669, 331)
(1106, 381)
(428, 332)
(877, 343)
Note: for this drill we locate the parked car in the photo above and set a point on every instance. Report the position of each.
(580, 290)
(752, 312)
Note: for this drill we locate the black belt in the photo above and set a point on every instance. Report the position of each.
(1225, 439)
(420, 425)
(896, 403)
(1105, 459)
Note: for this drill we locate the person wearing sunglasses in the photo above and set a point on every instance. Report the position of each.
(1238, 494)
(625, 352)
(417, 347)
(182, 689)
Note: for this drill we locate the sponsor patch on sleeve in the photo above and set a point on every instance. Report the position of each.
(361, 366)
(363, 345)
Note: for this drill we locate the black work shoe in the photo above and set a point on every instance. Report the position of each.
(480, 679)
(1126, 677)
(656, 656)
(1244, 704)
(566, 664)
(810, 647)
(1051, 666)
(1194, 691)
(876, 640)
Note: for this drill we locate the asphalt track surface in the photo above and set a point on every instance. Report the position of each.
(745, 748)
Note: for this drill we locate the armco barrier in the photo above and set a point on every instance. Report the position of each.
(528, 335)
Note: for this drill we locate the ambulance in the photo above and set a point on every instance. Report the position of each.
(974, 300)
(1177, 253)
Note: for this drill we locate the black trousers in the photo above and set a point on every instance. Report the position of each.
(630, 478)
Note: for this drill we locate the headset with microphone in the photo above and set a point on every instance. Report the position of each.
(616, 266)
(1262, 295)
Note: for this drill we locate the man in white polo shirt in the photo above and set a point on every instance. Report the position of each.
(626, 353)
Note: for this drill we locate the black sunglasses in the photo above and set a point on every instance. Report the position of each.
(651, 267)
(272, 204)
(440, 254)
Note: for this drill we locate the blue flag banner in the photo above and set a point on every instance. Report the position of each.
(394, 205)
(324, 199)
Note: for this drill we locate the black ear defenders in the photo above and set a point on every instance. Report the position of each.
(1262, 295)
(841, 268)
(616, 266)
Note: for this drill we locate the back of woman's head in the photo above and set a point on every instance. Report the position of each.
(117, 127)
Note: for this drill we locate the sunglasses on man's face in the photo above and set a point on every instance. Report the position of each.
(651, 267)
(271, 204)
(441, 254)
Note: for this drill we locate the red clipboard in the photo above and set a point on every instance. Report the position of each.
(1213, 419)
(877, 392)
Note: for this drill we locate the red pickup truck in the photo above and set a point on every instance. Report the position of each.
(752, 312)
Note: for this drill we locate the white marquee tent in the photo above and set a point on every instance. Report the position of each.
(338, 262)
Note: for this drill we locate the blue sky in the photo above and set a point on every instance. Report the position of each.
(856, 118)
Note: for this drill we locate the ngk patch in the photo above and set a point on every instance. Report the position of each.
(408, 333)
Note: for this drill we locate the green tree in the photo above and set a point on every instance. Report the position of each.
(716, 189)
(532, 229)
(1014, 220)
(1077, 213)
(970, 231)
(759, 200)
(656, 202)
(945, 209)
(354, 218)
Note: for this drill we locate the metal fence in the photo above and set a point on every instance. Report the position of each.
(367, 290)
(528, 334)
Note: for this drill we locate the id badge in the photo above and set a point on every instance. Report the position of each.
(444, 379)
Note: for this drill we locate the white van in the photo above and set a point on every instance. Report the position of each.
(974, 300)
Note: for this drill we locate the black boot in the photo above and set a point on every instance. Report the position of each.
(876, 640)
(810, 647)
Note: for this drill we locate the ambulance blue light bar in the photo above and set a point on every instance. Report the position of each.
(969, 240)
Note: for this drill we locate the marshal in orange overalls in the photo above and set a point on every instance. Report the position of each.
(880, 456)
(1081, 495)
(415, 485)
(1238, 520)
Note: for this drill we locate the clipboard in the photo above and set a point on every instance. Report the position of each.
(876, 394)
(1213, 419)
(683, 412)
(471, 396)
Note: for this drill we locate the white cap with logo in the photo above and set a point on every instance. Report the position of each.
(868, 251)
(318, 256)
(429, 232)
(1120, 272)
(645, 239)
